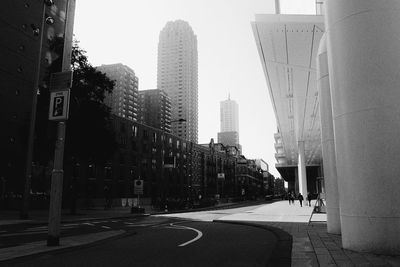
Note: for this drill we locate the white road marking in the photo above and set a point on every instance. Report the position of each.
(114, 221)
(25, 233)
(71, 224)
(181, 227)
(44, 228)
(105, 227)
(38, 228)
(90, 224)
(166, 224)
(140, 224)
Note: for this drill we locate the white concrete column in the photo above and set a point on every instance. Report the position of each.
(296, 180)
(302, 169)
(327, 140)
(364, 59)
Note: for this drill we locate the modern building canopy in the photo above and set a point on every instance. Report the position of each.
(288, 46)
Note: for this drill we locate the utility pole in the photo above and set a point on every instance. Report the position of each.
(24, 215)
(53, 238)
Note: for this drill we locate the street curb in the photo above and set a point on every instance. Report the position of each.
(233, 205)
(282, 253)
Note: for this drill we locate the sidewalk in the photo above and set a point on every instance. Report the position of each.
(312, 245)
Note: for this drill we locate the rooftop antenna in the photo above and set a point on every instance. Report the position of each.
(277, 7)
(319, 7)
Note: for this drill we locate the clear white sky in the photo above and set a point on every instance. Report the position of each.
(127, 31)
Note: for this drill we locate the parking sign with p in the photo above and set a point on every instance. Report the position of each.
(59, 105)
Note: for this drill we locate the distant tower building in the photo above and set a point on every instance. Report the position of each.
(123, 101)
(229, 113)
(177, 76)
(155, 109)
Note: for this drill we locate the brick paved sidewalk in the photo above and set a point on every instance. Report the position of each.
(312, 245)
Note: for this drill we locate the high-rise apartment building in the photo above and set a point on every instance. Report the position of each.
(155, 109)
(229, 116)
(123, 101)
(177, 76)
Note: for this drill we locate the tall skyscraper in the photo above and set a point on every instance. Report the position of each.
(155, 109)
(124, 98)
(229, 111)
(229, 116)
(177, 76)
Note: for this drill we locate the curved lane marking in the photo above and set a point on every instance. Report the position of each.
(181, 227)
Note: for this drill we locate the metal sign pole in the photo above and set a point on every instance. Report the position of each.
(53, 238)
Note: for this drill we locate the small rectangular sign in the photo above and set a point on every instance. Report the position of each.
(221, 176)
(59, 105)
(61, 80)
(138, 187)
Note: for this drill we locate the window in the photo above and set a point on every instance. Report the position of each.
(133, 145)
(154, 137)
(108, 172)
(134, 130)
(75, 170)
(122, 128)
(91, 171)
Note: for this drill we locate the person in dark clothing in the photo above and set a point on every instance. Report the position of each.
(107, 196)
(309, 198)
(300, 198)
(291, 198)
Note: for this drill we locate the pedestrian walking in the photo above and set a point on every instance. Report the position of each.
(107, 197)
(291, 198)
(300, 198)
(309, 198)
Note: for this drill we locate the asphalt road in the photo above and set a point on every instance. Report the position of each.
(154, 241)
(182, 243)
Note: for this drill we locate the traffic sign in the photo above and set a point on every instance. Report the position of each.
(61, 80)
(138, 187)
(221, 176)
(59, 105)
